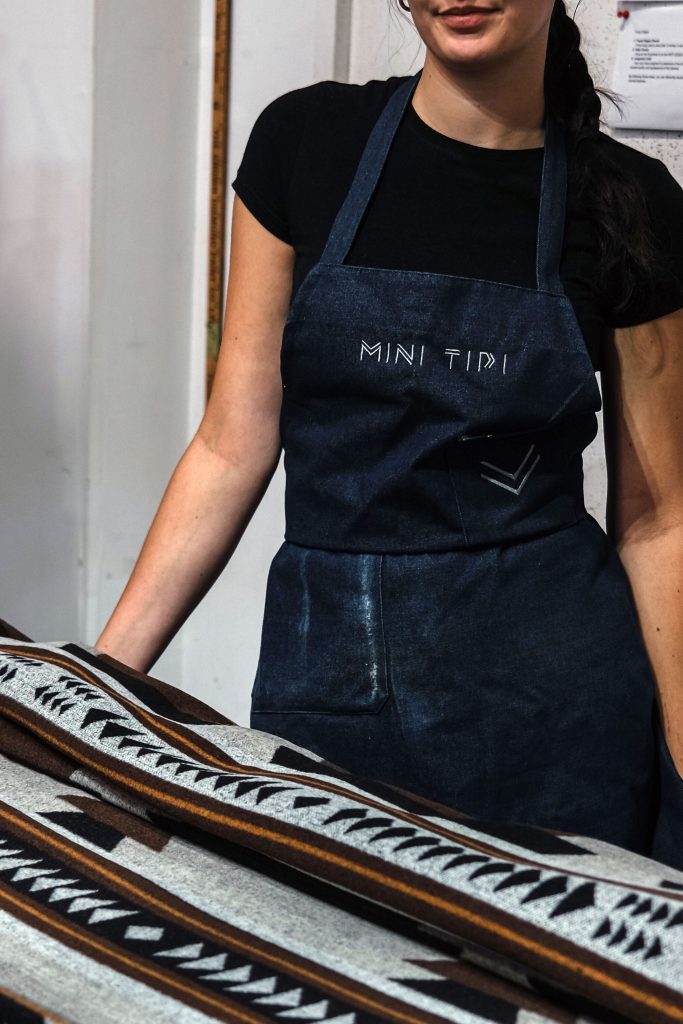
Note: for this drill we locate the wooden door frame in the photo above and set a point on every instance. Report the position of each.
(219, 170)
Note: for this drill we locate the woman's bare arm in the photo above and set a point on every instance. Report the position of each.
(643, 409)
(222, 476)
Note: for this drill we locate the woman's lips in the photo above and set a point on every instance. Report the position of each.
(469, 18)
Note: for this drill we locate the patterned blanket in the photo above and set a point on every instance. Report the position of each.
(159, 863)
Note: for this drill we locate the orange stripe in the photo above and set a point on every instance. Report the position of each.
(258, 953)
(538, 948)
(59, 925)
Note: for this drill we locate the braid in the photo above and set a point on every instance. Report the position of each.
(627, 248)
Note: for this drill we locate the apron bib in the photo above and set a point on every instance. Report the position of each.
(444, 614)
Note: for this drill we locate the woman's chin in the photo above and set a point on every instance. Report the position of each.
(467, 54)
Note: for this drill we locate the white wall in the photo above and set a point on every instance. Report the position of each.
(383, 41)
(105, 119)
(46, 111)
(150, 204)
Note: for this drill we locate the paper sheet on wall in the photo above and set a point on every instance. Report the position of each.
(648, 72)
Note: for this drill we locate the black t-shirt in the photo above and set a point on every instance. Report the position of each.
(441, 205)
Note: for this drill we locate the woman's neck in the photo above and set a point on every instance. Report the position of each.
(495, 108)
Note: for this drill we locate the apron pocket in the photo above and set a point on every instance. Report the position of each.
(322, 643)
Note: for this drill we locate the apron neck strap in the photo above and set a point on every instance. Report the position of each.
(552, 207)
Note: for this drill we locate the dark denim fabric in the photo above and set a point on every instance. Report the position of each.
(511, 683)
(667, 845)
(444, 613)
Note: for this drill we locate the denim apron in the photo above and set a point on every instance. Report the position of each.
(444, 614)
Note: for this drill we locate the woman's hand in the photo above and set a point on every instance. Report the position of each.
(225, 470)
(643, 417)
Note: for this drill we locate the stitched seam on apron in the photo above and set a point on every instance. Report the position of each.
(381, 622)
(361, 269)
(457, 500)
(391, 694)
(570, 398)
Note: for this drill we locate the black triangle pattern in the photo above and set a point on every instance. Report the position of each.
(78, 686)
(218, 968)
(141, 688)
(9, 669)
(95, 715)
(631, 934)
(310, 801)
(7, 672)
(82, 825)
(117, 725)
(553, 887)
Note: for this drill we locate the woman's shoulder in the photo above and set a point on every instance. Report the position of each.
(663, 197)
(661, 190)
(650, 171)
(307, 135)
(348, 104)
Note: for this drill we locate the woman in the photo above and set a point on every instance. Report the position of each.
(451, 256)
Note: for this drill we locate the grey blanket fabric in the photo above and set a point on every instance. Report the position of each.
(160, 863)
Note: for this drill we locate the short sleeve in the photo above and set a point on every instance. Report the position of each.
(263, 178)
(664, 199)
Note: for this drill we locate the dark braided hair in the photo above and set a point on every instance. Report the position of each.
(614, 199)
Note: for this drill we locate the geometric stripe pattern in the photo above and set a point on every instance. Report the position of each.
(135, 929)
(583, 919)
(171, 938)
